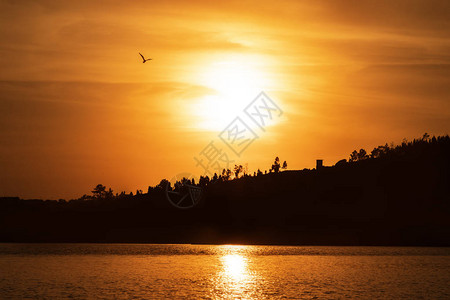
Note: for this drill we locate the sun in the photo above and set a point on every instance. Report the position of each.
(234, 83)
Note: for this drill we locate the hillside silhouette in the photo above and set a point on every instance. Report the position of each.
(394, 195)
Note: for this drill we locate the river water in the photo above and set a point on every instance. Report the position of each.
(128, 271)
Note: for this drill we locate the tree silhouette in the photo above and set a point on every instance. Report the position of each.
(226, 174)
(204, 181)
(215, 177)
(363, 154)
(276, 165)
(238, 169)
(379, 151)
(353, 156)
(358, 156)
(162, 184)
(99, 191)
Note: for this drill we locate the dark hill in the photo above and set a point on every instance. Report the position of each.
(400, 196)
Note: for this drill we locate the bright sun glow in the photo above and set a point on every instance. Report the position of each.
(235, 82)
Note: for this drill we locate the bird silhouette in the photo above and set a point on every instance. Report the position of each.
(143, 58)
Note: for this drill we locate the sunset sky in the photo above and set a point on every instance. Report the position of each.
(78, 107)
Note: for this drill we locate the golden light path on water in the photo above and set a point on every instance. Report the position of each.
(235, 278)
(235, 266)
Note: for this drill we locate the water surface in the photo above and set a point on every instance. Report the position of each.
(127, 271)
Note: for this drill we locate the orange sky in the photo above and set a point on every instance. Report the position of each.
(78, 107)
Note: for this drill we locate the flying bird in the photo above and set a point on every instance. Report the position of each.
(143, 58)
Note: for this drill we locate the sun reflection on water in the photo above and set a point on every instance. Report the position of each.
(235, 278)
(235, 266)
